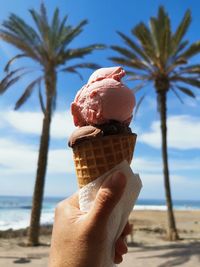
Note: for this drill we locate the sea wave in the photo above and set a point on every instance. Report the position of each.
(150, 207)
(15, 211)
(164, 207)
(23, 221)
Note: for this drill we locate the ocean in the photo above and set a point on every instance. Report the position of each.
(15, 210)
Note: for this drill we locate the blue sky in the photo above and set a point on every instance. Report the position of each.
(20, 130)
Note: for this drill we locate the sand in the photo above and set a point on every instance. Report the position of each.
(147, 246)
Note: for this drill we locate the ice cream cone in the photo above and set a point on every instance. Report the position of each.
(95, 156)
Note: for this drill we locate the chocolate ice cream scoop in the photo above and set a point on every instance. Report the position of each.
(89, 131)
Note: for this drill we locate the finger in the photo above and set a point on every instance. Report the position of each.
(118, 258)
(107, 197)
(121, 246)
(127, 229)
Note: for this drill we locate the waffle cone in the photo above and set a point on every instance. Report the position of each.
(95, 156)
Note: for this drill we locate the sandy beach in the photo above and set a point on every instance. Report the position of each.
(147, 246)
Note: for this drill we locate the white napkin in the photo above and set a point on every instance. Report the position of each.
(120, 214)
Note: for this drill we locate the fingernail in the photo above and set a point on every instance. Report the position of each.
(117, 180)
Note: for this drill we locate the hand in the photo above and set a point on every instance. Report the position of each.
(78, 238)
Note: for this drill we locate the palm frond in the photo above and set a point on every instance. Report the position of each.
(144, 36)
(55, 21)
(10, 79)
(191, 81)
(4, 86)
(177, 95)
(54, 103)
(139, 103)
(71, 33)
(191, 69)
(125, 52)
(42, 25)
(179, 48)
(191, 51)
(179, 61)
(55, 24)
(6, 69)
(166, 41)
(131, 73)
(181, 31)
(72, 70)
(136, 77)
(136, 48)
(77, 53)
(82, 66)
(27, 93)
(136, 64)
(21, 45)
(139, 87)
(186, 91)
(22, 30)
(161, 33)
(41, 97)
(43, 13)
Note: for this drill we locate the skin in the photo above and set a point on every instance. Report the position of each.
(78, 238)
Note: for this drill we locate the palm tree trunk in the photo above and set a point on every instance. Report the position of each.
(33, 235)
(172, 231)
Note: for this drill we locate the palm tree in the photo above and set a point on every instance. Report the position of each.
(158, 55)
(48, 46)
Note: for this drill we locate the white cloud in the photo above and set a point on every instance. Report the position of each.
(154, 165)
(17, 158)
(181, 187)
(183, 133)
(61, 161)
(31, 123)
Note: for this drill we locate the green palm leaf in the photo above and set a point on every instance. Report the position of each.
(191, 51)
(21, 29)
(83, 65)
(136, 48)
(11, 78)
(125, 52)
(20, 44)
(181, 31)
(6, 69)
(179, 48)
(139, 103)
(72, 33)
(73, 69)
(27, 93)
(77, 53)
(130, 63)
(191, 81)
(41, 97)
(186, 91)
(191, 69)
(177, 95)
(7, 84)
(144, 36)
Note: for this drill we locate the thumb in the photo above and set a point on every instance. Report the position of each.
(107, 197)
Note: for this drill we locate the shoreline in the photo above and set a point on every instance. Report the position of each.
(155, 221)
(146, 247)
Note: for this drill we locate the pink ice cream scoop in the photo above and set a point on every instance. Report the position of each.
(103, 98)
